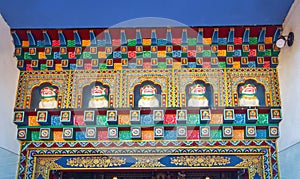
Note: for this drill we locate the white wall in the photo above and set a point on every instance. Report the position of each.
(9, 146)
(289, 78)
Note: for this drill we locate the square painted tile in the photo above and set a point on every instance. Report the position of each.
(89, 117)
(67, 133)
(90, 132)
(204, 131)
(227, 131)
(22, 134)
(112, 132)
(181, 132)
(158, 132)
(136, 132)
(273, 132)
(250, 131)
(45, 133)
(112, 116)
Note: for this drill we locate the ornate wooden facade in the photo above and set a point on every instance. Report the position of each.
(224, 61)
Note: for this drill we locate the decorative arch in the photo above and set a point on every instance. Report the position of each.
(32, 79)
(266, 77)
(36, 95)
(81, 79)
(86, 92)
(212, 77)
(260, 90)
(138, 86)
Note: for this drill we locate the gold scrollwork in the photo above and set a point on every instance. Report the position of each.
(254, 165)
(96, 162)
(44, 164)
(147, 161)
(200, 161)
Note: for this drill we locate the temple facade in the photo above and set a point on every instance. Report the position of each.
(171, 102)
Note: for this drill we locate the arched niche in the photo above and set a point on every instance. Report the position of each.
(208, 93)
(137, 95)
(36, 94)
(260, 91)
(86, 93)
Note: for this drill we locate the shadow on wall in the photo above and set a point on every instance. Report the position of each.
(289, 161)
(8, 164)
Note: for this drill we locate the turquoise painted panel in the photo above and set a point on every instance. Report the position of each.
(240, 119)
(125, 135)
(261, 133)
(147, 119)
(193, 119)
(263, 119)
(35, 135)
(216, 134)
(79, 135)
(101, 120)
(170, 134)
(55, 121)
